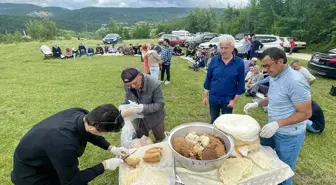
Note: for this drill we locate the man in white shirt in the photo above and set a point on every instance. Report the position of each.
(308, 76)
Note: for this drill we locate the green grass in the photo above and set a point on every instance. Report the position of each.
(33, 88)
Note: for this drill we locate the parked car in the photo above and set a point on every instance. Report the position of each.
(112, 39)
(214, 41)
(173, 40)
(298, 44)
(267, 40)
(204, 37)
(324, 63)
(182, 34)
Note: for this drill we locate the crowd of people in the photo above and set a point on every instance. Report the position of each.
(82, 50)
(286, 88)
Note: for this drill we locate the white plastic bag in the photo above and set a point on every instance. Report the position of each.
(128, 131)
(127, 134)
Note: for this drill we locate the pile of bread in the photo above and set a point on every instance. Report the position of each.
(152, 155)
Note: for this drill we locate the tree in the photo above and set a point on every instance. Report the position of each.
(42, 29)
(140, 31)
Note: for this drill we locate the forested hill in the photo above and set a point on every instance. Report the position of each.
(85, 19)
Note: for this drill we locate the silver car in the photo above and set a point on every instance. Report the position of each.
(268, 41)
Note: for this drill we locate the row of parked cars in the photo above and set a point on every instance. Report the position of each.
(203, 40)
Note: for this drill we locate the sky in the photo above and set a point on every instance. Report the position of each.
(75, 4)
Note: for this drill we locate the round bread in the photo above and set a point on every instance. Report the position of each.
(132, 160)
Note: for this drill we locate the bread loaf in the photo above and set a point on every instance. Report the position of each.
(153, 155)
(132, 160)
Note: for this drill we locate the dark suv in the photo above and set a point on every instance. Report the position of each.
(324, 63)
(112, 39)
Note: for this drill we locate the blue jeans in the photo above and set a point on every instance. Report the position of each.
(287, 148)
(154, 71)
(310, 127)
(215, 109)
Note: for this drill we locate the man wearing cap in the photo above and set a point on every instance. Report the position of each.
(146, 93)
(48, 153)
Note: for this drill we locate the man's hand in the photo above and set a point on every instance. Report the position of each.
(119, 151)
(206, 97)
(269, 129)
(206, 101)
(232, 104)
(112, 164)
(126, 113)
(250, 106)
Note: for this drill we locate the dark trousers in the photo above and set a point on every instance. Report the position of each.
(165, 69)
(158, 131)
(215, 110)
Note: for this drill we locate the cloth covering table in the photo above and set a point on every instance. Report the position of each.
(278, 172)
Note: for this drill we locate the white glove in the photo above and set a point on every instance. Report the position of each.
(269, 129)
(250, 106)
(137, 108)
(112, 164)
(119, 151)
(132, 102)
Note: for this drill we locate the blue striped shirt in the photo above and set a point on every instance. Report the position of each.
(166, 54)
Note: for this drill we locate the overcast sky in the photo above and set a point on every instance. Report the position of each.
(74, 4)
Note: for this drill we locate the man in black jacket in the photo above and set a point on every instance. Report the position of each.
(48, 153)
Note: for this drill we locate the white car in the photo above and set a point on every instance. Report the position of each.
(298, 44)
(214, 41)
(267, 40)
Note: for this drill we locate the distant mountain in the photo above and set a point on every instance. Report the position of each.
(85, 19)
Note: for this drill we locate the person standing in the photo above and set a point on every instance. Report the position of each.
(224, 82)
(48, 153)
(145, 93)
(292, 46)
(145, 58)
(166, 54)
(289, 106)
(255, 46)
(246, 48)
(154, 62)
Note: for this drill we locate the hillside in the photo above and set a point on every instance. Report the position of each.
(85, 19)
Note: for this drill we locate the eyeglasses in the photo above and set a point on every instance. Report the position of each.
(267, 66)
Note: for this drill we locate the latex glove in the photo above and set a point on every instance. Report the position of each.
(137, 108)
(119, 151)
(250, 106)
(112, 164)
(269, 129)
(132, 102)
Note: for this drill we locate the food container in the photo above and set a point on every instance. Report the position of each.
(200, 128)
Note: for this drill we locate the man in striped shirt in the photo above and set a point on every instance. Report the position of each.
(166, 54)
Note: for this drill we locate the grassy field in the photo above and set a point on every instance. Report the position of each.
(33, 88)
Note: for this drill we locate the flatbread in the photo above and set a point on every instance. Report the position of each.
(235, 169)
(148, 176)
(261, 159)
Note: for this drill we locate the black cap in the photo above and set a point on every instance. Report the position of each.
(129, 74)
